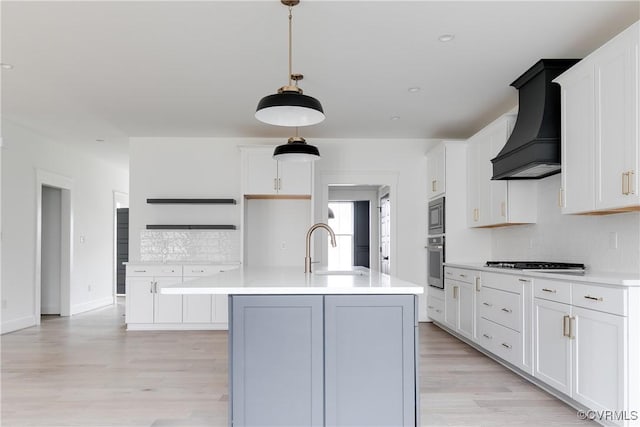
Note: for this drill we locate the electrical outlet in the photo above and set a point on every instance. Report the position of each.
(613, 240)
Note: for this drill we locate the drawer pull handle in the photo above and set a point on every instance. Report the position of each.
(197, 271)
(487, 304)
(430, 307)
(448, 273)
(593, 298)
(505, 345)
(438, 311)
(489, 337)
(139, 271)
(507, 310)
(462, 275)
(553, 291)
(524, 280)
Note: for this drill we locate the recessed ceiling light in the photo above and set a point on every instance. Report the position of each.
(446, 38)
(394, 118)
(414, 89)
(6, 66)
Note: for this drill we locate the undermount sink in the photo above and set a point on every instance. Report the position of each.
(354, 272)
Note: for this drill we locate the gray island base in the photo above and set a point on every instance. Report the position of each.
(325, 352)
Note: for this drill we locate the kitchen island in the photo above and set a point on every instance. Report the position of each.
(326, 348)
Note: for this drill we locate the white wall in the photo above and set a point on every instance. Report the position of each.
(572, 238)
(94, 181)
(182, 167)
(404, 159)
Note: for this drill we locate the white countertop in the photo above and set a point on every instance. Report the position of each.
(154, 263)
(292, 280)
(606, 278)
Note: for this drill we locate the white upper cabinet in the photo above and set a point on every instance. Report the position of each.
(262, 175)
(600, 154)
(436, 162)
(501, 202)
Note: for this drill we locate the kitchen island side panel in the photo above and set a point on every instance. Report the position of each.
(276, 371)
(370, 366)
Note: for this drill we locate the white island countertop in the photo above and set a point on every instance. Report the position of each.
(293, 281)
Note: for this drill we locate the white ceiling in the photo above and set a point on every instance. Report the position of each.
(110, 70)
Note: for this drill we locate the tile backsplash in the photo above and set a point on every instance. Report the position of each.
(607, 243)
(189, 246)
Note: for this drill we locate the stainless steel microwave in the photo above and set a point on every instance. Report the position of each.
(436, 217)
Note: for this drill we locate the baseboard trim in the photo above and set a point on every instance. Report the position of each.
(91, 305)
(178, 326)
(17, 324)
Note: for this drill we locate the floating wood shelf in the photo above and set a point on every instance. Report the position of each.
(277, 196)
(190, 227)
(193, 201)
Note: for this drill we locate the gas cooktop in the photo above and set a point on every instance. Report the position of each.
(538, 265)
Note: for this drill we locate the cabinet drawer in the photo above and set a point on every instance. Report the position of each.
(503, 342)
(500, 307)
(552, 290)
(435, 308)
(154, 270)
(505, 282)
(460, 274)
(609, 300)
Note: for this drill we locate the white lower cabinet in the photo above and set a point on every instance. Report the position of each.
(144, 302)
(460, 303)
(581, 352)
(435, 305)
(147, 308)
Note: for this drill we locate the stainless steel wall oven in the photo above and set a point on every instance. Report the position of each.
(435, 261)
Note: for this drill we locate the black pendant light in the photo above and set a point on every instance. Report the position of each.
(296, 150)
(290, 107)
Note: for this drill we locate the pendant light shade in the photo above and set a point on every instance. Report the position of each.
(296, 150)
(289, 107)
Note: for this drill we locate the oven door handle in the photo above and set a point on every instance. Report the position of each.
(435, 247)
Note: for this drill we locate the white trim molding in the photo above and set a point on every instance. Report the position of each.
(65, 184)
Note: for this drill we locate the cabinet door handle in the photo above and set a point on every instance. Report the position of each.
(524, 280)
(279, 183)
(507, 310)
(566, 326)
(503, 209)
(455, 292)
(151, 287)
(553, 291)
(593, 298)
(489, 337)
(434, 186)
(630, 183)
(560, 197)
(625, 183)
(430, 307)
(275, 183)
(448, 273)
(155, 287)
(478, 286)
(197, 271)
(572, 327)
(505, 345)
(487, 304)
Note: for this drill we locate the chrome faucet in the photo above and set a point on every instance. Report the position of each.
(307, 258)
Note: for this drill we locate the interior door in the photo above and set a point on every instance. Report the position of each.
(385, 234)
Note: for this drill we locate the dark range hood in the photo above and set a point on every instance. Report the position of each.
(533, 149)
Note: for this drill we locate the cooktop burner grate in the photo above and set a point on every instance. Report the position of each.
(535, 265)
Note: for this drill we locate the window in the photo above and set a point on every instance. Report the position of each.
(341, 257)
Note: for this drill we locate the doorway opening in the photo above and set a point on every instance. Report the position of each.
(120, 242)
(54, 213)
(50, 280)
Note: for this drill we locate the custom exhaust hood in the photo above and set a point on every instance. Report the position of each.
(533, 149)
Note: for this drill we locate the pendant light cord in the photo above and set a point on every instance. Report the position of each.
(290, 43)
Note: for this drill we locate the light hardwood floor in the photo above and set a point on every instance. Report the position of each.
(88, 371)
